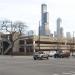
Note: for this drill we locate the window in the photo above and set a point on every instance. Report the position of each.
(21, 49)
(21, 42)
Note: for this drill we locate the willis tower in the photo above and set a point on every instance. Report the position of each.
(44, 28)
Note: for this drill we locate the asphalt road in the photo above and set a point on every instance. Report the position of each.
(25, 65)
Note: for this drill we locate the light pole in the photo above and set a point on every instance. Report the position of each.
(39, 36)
(33, 42)
(73, 43)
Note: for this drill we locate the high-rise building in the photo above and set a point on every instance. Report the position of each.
(68, 35)
(61, 32)
(30, 32)
(58, 27)
(55, 34)
(44, 29)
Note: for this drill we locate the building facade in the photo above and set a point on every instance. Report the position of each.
(27, 45)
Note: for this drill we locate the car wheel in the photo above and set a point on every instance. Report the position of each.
(55, 56)
(47, 57)
(34, 58)
(40, 58)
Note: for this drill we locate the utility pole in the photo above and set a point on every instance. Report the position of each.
(2, 47)
(11, 36)
(39, 36)
(73, 44)
(34, 43)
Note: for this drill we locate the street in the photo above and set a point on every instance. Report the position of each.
(25, 65)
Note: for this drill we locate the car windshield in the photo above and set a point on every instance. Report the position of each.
(40, 52)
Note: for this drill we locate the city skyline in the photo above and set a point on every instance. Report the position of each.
(29, 11)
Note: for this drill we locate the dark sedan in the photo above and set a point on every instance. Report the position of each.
(62, 55)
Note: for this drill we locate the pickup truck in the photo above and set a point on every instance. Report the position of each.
(40, 55)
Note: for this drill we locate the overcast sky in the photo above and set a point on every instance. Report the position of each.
(29, 11)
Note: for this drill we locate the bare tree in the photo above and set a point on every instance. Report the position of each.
(12, 28)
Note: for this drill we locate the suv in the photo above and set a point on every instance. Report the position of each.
(40, 55)
(62, 55)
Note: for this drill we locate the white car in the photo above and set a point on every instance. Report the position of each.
(52, 53)
(40, 55)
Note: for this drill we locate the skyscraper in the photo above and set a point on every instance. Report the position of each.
(58, 27)
(68, 35)
(61, 32)
(44, 29)
(55, 34)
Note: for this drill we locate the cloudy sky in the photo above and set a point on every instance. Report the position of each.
(29, 11)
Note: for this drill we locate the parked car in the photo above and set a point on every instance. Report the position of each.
(52, 53)
(62, 55)
(40, 55)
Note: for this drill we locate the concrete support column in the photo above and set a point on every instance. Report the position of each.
(33, 45)
(25, 47)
